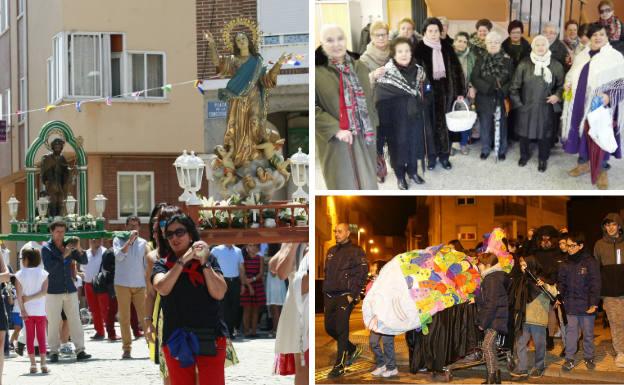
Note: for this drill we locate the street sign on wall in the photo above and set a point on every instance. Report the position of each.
(217, 109)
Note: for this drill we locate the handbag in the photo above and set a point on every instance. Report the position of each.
(100, 282)
(207, 340)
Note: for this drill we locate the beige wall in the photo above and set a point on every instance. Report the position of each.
(495, 10)
(126, 126)
(445, 217)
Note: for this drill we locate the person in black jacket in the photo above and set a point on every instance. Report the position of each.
(579, 286)
(493, 310)
(446, 75)
(346, 269)
(399, 95)
(492, 77)
(558, 49)
(535, 93)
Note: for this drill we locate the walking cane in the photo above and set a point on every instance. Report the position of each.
(561, 315)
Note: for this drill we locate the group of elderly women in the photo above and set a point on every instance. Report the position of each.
(400, 90)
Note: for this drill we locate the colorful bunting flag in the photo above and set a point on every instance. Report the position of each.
(109, 101)
(167, 88)
(78, 106)
(50, 107)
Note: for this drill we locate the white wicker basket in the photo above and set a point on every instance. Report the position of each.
(459, 121)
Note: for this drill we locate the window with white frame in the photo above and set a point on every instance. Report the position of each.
(86, 65)
(146, 72)
(22, 100)
(135, 193)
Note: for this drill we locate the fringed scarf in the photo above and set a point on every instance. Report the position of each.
(439, 71)
(476, 42)
(375, 56)
(395, 78)
(593, 73)
(614, 28)
(571, 45)
(494, 65)
(353, 108)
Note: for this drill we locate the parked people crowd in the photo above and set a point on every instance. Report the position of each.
(480, 69)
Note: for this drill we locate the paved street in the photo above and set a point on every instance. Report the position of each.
(469, 172)
(359, 372)
(106, 367)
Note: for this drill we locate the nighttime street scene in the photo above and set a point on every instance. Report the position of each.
(467, 289)
(154, 195)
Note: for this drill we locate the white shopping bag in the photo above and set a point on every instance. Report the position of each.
(601, 129)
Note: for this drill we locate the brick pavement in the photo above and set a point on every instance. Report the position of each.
(106, 367)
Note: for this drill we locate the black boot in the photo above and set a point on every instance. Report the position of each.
(416, 178)
(497, 377)
(490, 379)
(402, 182)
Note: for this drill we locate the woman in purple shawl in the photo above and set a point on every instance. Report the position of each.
(598, 71)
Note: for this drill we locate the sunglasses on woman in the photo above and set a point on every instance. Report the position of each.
(605, 11)
(177, 233)
(162, 224)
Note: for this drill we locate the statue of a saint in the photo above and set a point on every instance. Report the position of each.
(246, 95)
(55, 177)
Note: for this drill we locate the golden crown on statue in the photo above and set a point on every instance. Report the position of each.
(256, 34)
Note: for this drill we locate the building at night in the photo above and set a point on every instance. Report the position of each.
(467, 218)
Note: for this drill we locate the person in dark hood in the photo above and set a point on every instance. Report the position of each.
(493, 310)
(531, 306)
(547, 253)
(609, 252)
(579, 286)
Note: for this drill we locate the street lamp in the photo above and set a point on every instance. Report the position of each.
(42, 206)
(178, 164)
(298, 164)
(189, 169)
(70, 204)
(371, 241)
(100, 205)
(194, 172)
(360, 231)
(13, 205)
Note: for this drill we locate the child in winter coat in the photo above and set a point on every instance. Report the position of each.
(32, 286)
(534, 307)
(579, 285)
(493, 310)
